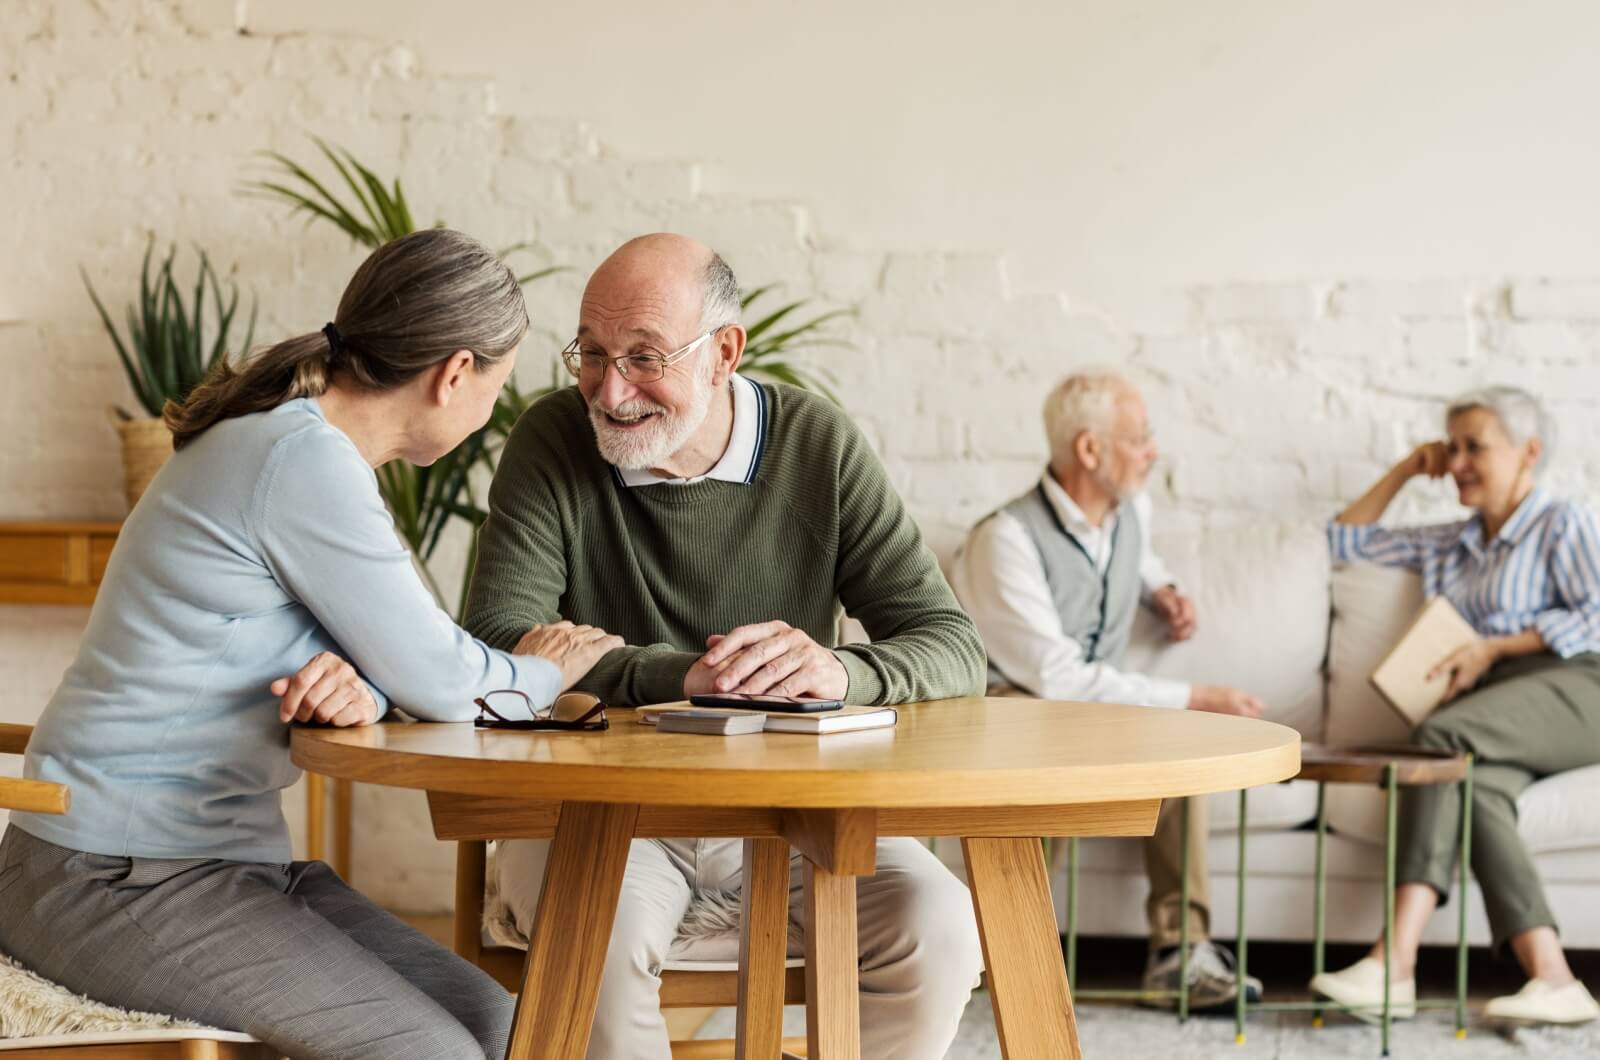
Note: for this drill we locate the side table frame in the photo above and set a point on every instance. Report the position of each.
(1391, 789)
(1181, 994)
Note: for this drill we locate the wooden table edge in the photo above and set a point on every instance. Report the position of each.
(974, 788)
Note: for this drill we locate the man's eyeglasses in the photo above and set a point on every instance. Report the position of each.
(634, 367)
(571, 712)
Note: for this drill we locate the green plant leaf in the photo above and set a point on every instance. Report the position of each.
(754, 332)
(195, 366)
(165, 366)
(316, 202)
(116, 340)
(147, 384)
(754, 294)
(302, 204)
(162, 354)
(367, 206)
(179, 351)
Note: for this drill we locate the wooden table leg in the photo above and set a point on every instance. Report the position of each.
(316, 817)
(763, 947)
(571, 931)
(833, 997)
(343, 811)
(1021, 949)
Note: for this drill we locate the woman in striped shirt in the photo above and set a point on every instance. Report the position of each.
(1524, 570)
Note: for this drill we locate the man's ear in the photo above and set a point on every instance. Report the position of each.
(448, 376)
(1532, 452)
(727, 346)
(1086, 447)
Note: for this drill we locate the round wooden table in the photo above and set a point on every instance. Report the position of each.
(998, 773)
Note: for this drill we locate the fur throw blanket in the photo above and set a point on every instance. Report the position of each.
(32, 1006)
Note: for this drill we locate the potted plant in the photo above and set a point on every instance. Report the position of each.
(165, 355)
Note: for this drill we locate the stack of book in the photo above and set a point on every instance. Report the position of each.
(727, 721)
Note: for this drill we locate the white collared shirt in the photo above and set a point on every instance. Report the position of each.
(740, 460)
(1000, 580)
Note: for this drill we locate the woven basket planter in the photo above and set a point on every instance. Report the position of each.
(146, 445)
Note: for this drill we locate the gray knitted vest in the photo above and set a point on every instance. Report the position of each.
(1096, 610)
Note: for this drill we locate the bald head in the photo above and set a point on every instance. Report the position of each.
(672, 277)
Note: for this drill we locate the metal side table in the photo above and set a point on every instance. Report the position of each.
(1390, 768)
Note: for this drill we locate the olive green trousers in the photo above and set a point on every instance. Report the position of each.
(1532, 717)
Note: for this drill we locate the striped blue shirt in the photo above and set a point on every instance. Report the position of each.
(1541, 571)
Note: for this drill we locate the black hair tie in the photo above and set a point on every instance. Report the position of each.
(335, 343)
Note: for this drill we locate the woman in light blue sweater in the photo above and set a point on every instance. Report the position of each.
(259, 581)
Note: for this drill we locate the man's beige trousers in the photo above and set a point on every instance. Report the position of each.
(918, 940)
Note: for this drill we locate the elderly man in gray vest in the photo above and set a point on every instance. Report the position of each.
(1053, 580)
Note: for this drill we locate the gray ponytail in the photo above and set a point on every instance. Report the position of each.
(411, 304)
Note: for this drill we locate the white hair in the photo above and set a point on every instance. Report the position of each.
(1083, 401)
(721, 306)
(1520, 414)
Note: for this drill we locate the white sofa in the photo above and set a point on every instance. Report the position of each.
(1276, 621)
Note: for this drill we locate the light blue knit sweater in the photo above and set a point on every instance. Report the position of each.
(260, 544)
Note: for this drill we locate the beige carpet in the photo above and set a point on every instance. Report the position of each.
(1124, 1033)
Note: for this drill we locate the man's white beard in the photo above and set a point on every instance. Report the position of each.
(1111, 480)
(650, 446)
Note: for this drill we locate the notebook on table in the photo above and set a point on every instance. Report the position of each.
(845, 719)
(1402, 677)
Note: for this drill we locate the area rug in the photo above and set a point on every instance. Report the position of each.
(1123, 1033)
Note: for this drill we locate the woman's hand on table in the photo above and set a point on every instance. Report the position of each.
(574, 649)
(328, 690)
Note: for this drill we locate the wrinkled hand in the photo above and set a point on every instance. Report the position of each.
(1176, 610)
(1429, 458)
(1220, 699)
(575, 649)
(770, 658)
(327, 689)
(1465, 666)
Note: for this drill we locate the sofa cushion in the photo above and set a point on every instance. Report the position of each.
(1262, 595)
(1272, 808)
(1553, 815)
(1372, 606)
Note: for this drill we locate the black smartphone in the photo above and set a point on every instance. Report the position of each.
(786, 704)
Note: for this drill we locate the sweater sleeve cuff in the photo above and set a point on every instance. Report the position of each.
(377, 697)
(663, 682)
(865, 686)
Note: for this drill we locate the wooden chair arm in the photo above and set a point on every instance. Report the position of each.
(14, 738)
(34, 796)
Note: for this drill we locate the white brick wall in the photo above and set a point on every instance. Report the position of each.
(1271, 400)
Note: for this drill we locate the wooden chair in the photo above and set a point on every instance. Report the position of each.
(164, 1043)
(684, 984)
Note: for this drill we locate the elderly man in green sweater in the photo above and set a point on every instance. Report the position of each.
(718, 525)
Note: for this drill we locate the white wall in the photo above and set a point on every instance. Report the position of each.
(1300, 227)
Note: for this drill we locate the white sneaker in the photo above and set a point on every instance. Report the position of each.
(1542, 1002)
(1360, 987)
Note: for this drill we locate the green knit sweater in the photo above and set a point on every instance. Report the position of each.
(664, 566)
